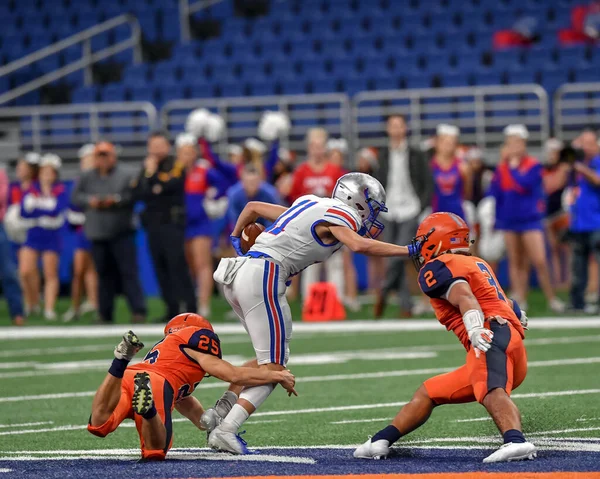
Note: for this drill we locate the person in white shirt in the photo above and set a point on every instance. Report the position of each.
(404, 173)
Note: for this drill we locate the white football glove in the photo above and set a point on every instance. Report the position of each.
(524, 319)
(481, 340)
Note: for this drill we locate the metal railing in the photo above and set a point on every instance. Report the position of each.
(186, 9)
(63, 129)
(88, 57)
(481, 113)
(576, 106)
(241, 115)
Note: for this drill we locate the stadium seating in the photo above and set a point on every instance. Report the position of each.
(306, 46)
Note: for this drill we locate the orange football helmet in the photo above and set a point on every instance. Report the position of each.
(185, 320)
(441, 233)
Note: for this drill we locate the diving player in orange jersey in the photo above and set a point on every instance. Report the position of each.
(148, 391)
(468, 301)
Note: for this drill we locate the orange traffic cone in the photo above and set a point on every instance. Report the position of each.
(323, 304)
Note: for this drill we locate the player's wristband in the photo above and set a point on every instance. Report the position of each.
(516, 309)
(473, 319)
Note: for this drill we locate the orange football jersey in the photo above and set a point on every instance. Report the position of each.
(438, 274)
(169, 359)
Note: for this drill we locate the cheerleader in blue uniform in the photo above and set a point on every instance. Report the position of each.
(84, 272)
(26, 171)
(451, 175)
(45, 205)
(201, 180)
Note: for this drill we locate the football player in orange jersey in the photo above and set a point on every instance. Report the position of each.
(148, 391)
(468, 301)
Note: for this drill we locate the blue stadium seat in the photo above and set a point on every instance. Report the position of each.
(418, 81)
(172, 93)
(488, 77)
(85, 95)
(324, 85)
(569, 57)
(115, 92)
(265, 88)
(455, 79)
(352, 86)
(522, 76)
(201, 90)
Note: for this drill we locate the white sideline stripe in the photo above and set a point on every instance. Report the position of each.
(584, 419)
(27, 424)
(112, 331)
(356, 421)
(5, 470)
(203, 453)
(308, 379)
(88, 348)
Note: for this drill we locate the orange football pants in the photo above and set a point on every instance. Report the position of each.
(163, 401)
(503, 366)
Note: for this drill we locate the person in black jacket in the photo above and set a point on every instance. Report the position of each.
(404, 173)
(161, 186)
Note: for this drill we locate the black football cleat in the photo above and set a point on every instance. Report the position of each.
(142, 400)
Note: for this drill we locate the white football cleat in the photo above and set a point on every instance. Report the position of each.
(513, 451)
(227, 441)
(373, 450)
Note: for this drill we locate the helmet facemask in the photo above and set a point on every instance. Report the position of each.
(371, 226)
(418, 241)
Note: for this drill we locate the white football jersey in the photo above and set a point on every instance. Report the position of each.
(291, 240)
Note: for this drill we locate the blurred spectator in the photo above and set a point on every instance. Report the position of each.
(27, 170)
(45, 204)
(337, 149)
(8, 268)
(366, 161)
(481, 174)
(405, 175)
(524, 32)
(235, 154)
(520, 208)
(557, 219)
(105, 196)
(251, 187)
(84, 271)
(199, 180)
(161, 185)
(451, 175)
(584, 231)
(317, 176)
(585, 25)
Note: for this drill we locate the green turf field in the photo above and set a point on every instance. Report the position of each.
(349, 383)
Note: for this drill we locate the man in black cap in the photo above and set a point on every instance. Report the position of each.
(161, 186)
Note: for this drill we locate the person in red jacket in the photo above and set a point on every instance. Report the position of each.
(317, 175)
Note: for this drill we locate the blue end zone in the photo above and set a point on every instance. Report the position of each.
(317, 462)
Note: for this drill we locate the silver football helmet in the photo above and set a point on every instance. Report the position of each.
(366, 195)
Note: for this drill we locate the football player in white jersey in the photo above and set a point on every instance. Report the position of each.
(254, 284)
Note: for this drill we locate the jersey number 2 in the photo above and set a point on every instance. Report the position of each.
(490, 277)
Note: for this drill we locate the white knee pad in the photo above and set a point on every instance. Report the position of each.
(256, 395)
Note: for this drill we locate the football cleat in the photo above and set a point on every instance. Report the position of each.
(128, 347)
(142, 400)
(227, 441)
(373, 450)
(513, 451)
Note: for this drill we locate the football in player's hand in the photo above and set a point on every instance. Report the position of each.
(249, 235)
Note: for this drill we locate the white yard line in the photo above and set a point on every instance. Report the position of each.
(26, 424)
(306, 379)
(70, 427)
(356, 421)
(475, 419)
(563, 431)
(383, 326)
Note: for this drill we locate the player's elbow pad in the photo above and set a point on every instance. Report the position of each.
(473, 319)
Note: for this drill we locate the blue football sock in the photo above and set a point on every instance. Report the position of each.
(390, 434)
(513, 435)
(118, 367)
(150, 413)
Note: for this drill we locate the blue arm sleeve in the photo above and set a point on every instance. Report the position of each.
(272, 159)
